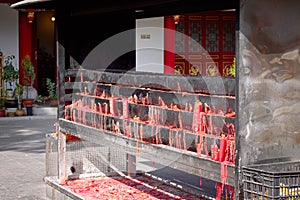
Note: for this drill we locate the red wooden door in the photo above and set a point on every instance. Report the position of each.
(205, 43)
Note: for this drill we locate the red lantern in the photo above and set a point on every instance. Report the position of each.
(30, 15)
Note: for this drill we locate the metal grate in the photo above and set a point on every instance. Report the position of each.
(83, 158)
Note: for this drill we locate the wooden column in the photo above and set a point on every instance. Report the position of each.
(25, 47)
(169, 42)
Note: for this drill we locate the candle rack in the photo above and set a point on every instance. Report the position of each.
(184, 123)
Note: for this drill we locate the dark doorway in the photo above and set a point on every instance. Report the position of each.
(45, 54)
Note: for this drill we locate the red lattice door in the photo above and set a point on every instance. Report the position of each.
(205, 43)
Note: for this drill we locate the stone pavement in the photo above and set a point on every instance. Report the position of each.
(22, 155)
(23, 164)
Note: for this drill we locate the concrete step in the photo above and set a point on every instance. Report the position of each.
(44, 110)
(38, 111)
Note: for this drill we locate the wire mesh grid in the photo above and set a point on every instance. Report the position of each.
(272, 181)
(84, 158)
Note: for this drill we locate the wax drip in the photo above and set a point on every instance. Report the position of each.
(180, 120)
(170, 137)
(184, 142)
(141, 132)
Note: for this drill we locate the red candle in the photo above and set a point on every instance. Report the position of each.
(74, 116)
(100, 107)
(56, 127)
(223, 144)
(214, 151)
(106, 108)
(180, 120)
(81, 77)
(199, 104)
(206, 108)
(211, 125)
(125, 108)
(195, 126)
(112, 107)
(201, 128)
(218, 190)
(68, 79)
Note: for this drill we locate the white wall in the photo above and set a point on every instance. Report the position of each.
(150, 44)
(9, 32)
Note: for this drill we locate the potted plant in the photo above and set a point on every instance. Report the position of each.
(19, 93)
(29, 77)
(2, 106)
(52, 93)
(10, 75)
(28, 70)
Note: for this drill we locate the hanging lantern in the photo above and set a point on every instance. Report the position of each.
(176, 19)
(30, 15)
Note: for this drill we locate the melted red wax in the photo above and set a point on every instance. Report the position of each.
(122, 188)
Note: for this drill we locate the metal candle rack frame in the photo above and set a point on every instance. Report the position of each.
(153, 116)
